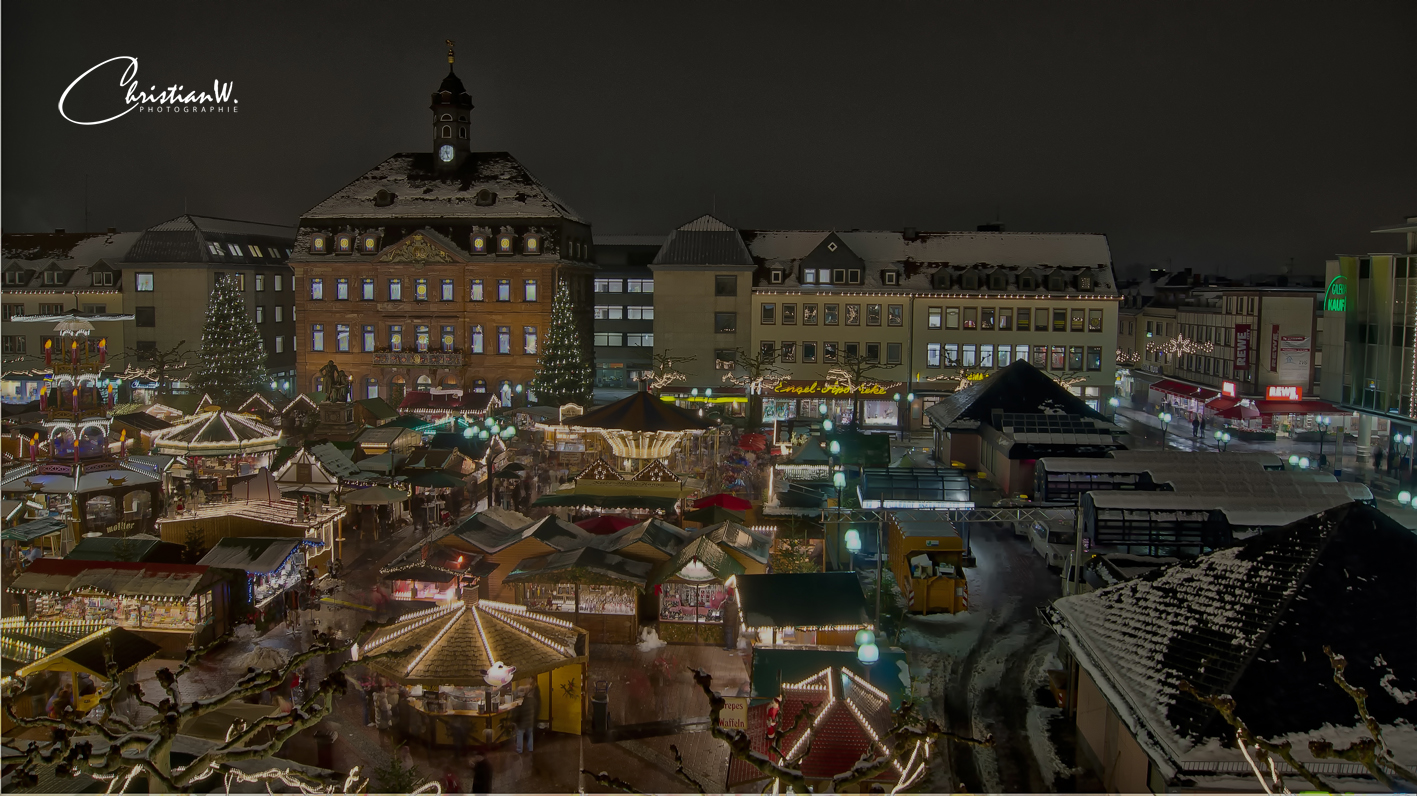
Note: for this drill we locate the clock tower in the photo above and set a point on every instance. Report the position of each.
(451, 107)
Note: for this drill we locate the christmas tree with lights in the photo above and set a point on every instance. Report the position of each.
(232, 363)
(563, 373)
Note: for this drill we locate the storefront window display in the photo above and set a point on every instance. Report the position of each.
(690, 602)
(881, 413)
(423, 591)
(594, 599)
(265, 588)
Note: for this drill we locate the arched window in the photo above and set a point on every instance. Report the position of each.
(397, 385)
(462, 133)
(447, 131)
(480, 385)
(449, 383)
(424, 383)
(506, 392)
(447, 117)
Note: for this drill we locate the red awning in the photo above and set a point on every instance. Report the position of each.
(1181, 390)
(1297, 408)
(1221, 404)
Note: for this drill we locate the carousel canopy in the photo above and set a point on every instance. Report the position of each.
(34, 646)
(218, 433)
(584, 565)
(640, 412)
(251, 554)
(455, 644)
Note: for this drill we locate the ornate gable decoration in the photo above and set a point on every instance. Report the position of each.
(599, 471)
(418, 248)
(656, 471)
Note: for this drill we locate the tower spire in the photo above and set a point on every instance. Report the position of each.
(450, 44)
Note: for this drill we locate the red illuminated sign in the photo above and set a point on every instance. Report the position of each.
(1227, 389)
(1243, 346)
(1284, 392)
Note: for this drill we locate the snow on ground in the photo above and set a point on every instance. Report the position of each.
(988, 672)
(1039, 716)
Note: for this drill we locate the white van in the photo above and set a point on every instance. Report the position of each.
(1053, 541)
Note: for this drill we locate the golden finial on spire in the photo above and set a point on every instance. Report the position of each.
(450, 50)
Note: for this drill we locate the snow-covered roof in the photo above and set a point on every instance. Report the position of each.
(413, 191)
(204, 239)
(1252, 622)
(69, 248)
(218, 433)
(1260, 502)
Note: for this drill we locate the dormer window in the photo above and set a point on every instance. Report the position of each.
(1084, 282)
(54, 277)
(969, 281)
(775, 276)
(369, 244)
(320, 244)
(531, 243)
(214, 248)
(890, 278)
(254, 249)
(234, 249)
(809, 276)
(344, 243)
(504, 243)
(997, 281)
(853, 276)
(14, 277)
(838, 276)
(1027, 282)
(479, 242)
(102, 277)
(1056, 284)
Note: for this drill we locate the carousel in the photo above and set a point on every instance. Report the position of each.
(469, 663)
(74, 472)
(218, 445)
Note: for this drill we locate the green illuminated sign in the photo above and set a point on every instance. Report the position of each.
(1336, 299)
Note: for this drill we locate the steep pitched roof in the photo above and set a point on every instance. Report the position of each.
(417, 192)
(205, 239)
(1019, 388)
(704, 241)
(1252, 621)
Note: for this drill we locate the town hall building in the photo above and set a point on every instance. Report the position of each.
(436, 270)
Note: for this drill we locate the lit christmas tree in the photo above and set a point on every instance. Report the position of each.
(232, 363)
(563, 373)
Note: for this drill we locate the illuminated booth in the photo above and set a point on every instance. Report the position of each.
(470, 663)
(273, 566)
(691, 587)
(596, 590)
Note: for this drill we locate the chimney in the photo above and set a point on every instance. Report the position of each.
(113, 230)
(910, 233)
(59, 231)
(469, 591)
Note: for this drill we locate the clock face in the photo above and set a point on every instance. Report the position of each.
(445, 153)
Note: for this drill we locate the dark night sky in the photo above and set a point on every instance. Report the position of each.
(1224, 136)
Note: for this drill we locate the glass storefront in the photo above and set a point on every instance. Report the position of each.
(691, 602)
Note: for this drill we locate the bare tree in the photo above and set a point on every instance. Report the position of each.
(853, 373)
(145, 748)
(907, 731)
(666, 371)
(761, 373)
(1372, 752)
(162, 366)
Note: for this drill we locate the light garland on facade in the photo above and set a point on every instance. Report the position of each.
(1178, 346)
(770, 291)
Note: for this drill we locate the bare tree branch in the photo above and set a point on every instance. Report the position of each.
(681, 771)
(604, 778)
(1225, 706)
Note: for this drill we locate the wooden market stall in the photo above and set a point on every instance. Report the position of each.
(319, 526)
(173, 605)
(219, 445)
(77, 653)
(450, 656)
(927, 559)
(273, 566)
(801, 609)
(592, 588)
(691, 591)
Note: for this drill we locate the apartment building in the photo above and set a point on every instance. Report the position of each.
(623, 306)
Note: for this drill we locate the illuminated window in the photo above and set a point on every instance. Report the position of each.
(449, 341)
(317, 289)
(421, 337)
(788, 351)
(144, 282)
(366, 289)
(479, 243)
(279, 311)
(255, 250)
(275, 283)
(341, 337)
(986, 356)
(504, 243)
(475, 345)
(895, 315)
(342, 289)
(395, 337)
(529, 290)
(504, 339)
(529, 339)
(319, 244)
(951, 317)
(395, 290)
(639, 286)
(475, 290)
(873, 315)
(369, 341)
(317, 337)
(504, 290)
(234, 249)
(420, 289)
(769, 313)
(1094, 322)
(932, 355)
(446, 291)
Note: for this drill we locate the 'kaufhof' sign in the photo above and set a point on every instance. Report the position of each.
(1336, 297)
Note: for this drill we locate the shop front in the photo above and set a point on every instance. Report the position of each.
(802, 404)
(591, 588)
(273, 567)
(691, 590)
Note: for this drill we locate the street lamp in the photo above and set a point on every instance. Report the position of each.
(827, 425)
(835, 448)
(1404, 497)
(1115, 403)
(1165, 418)
(1303, 462)
(853, 546)
(1324, 423)
(1406, 459)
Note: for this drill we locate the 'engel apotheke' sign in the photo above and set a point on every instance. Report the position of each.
(1284, 392)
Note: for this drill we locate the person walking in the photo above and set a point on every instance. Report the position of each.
(524, 719)
(1377, 459)
(1195, 427)
(383, 714)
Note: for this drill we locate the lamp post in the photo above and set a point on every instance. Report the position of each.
(867, 653)
(1323, 423)
(853, 546)
(1404, 497)
(1165, 418)
(1115, 403)
(1222, 441)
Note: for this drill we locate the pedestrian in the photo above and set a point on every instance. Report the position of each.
(457, 727)
(1195, 427)
(481, 775)
(451, 784)
(524, 719)
(731, 620)
(1377, 459)
(367, 686)
(383, 714)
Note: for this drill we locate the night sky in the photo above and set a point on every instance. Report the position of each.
(1226, 137)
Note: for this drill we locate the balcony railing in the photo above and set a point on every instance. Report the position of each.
(403, 359)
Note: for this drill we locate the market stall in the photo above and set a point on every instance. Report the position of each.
(690, 587)
(316, 523)
(594, 589)
(273, 567)
(82, 654)
(188, 601)
(470, 663)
